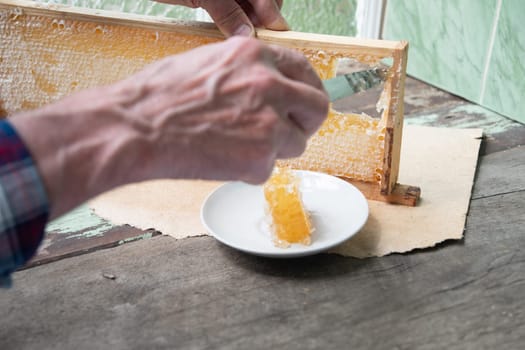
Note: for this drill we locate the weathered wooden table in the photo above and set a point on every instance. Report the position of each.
(157, 292)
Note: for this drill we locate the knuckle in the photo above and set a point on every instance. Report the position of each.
(270, 125)
(260, 86)
(301, 59)
(264, 79)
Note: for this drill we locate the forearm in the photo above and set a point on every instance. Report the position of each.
(81, 145)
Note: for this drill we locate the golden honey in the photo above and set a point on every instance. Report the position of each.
(290, 222)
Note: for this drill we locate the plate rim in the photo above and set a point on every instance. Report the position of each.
(286, 254)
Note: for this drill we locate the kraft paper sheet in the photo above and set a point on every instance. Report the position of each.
(439, 160)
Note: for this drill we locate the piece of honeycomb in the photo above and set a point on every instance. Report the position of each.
(290, 222)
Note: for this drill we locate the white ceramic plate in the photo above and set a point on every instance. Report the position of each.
(235, 215)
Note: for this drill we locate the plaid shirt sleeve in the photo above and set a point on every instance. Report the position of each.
(24, 208)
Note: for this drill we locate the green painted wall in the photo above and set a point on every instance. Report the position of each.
(472, 48)
(317, 16)
(321, 16)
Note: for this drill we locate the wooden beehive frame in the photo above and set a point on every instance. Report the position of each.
(388, 189)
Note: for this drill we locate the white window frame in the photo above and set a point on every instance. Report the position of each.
(369, 18)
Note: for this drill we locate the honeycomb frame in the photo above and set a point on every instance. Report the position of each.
(15, 89)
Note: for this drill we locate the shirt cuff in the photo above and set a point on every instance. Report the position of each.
(24, 206)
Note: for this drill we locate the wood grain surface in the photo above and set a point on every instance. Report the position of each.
(198, 294)
(160, 293)
(421, 101)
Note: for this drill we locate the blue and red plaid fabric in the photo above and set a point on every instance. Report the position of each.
(24, 208)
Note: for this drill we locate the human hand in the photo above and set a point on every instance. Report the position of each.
(238, 17)
(224, 111)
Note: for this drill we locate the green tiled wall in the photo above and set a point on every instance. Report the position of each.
(505, 87)
(456, 46)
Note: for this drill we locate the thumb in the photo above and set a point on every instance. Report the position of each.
(269, 14)
(229, 17)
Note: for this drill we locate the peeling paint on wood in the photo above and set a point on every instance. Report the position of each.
(81, 231)
(81, 220)
(136, 238)
(466, 116)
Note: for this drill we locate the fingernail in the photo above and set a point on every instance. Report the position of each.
(279, 24)
(244, 30)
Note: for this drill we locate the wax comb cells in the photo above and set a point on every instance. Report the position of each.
(50, 52)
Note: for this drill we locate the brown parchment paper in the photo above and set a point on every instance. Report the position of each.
(441, 161)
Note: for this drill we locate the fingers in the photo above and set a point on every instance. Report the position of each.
(284, 80)
(293, 141)
(307, 107)
(261, 173)
(288, 82)
(294, 65)
(304, 95)
(268, 12)
(238, 17)
(230, 17)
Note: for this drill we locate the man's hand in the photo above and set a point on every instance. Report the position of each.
(238, 17)
(224, 111)
(228, 110)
